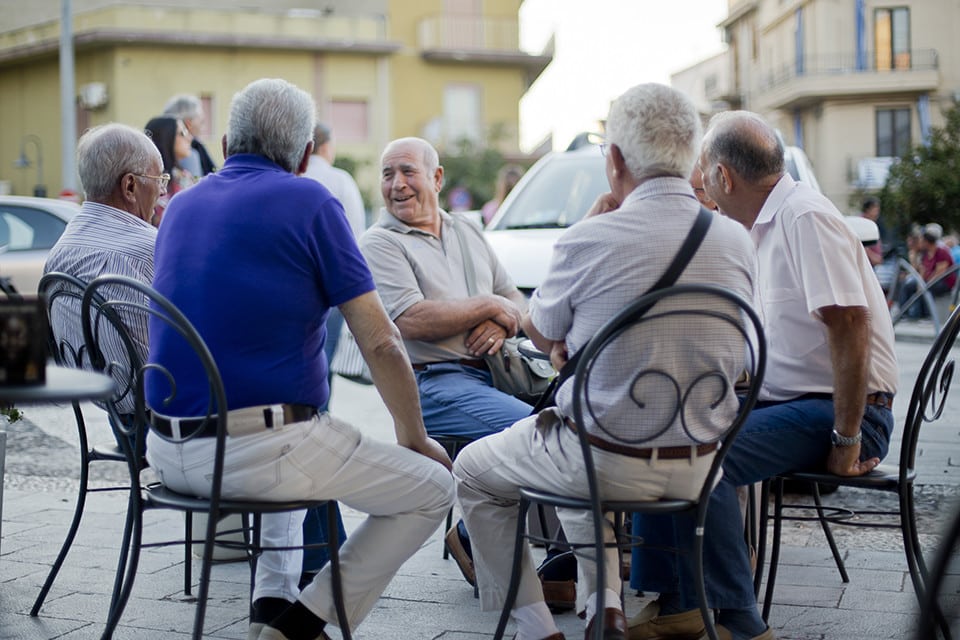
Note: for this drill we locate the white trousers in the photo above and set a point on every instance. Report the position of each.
(406, 495)
(541, 452)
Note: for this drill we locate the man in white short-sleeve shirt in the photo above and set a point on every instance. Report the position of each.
(830, 378)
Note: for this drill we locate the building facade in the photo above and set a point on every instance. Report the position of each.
(855, 83)
(378, 69)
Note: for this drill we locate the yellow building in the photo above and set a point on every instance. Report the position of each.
(856, 83)
(378, 69)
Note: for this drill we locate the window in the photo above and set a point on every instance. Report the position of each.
(893, 132)
(350, 120)
(461, 113)
(891, 37)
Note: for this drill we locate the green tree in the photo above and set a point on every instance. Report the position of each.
(472, 167)
(924, 185)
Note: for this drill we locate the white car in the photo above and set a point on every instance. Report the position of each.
(556, 192)
(29, 227)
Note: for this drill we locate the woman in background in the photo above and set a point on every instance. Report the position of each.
(173, 140)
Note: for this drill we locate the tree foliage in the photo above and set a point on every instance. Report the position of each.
(924, 185)
(473, 167)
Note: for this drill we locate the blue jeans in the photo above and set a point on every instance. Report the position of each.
(776, 438)
(458, 400)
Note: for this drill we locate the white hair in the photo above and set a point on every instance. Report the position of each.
(185, 107)
(431, 159)
(657, 129)
(107, 152)
(272, 118)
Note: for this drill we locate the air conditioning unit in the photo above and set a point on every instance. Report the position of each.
(93, 95)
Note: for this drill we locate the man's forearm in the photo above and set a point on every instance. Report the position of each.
(432, 320)
(848, 331)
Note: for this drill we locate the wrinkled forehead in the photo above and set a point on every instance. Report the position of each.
(403, 156)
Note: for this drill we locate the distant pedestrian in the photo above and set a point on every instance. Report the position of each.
(189, 109)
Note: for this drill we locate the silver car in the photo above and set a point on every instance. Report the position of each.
(29, 227)
(556, 192)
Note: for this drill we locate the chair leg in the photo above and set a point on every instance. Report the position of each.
(774, 547)
(77, 516)
(127, 564)
(828, 534)
(446, 552)
(764, 514)
(914, 554)
(335, 575)
(206, 563)
(514, 586)
(187, 552)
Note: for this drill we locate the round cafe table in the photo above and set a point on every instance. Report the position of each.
(62, 385)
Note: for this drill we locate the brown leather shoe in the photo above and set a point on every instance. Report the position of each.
(614, 625)
(650, 625)
(460, 555)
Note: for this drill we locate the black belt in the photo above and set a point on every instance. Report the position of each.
(208, 426)
(663, 453)
(476, 364)
(880, 399)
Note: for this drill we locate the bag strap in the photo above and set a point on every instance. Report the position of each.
(680, 261)
(468, 268)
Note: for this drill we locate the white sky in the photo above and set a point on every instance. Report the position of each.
(604, 47)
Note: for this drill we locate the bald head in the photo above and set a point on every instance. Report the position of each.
(429, 155)
(742, 141)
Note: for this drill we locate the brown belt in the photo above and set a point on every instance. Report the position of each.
(881, 399)
(260, 415)
(476, 364)
(663, 453)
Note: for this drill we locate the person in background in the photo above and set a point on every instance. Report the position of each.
(173, 140)
(932, 259)
(189, 109)
(507, 179)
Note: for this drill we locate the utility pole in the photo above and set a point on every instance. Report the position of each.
(68, 112)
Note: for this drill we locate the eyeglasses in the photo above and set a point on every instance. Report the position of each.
(183, 131)
(163, 178)
(603, 148)
(699, 190)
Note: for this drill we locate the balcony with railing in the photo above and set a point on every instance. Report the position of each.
(478, 40)
(813, 78)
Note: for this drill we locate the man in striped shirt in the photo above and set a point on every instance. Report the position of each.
(121, 175)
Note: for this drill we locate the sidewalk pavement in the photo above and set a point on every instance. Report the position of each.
(428, 599)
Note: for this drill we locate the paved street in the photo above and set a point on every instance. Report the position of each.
(428, 599)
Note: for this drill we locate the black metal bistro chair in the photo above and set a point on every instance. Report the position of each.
(689, 389)
(62, 294)
(146, 497)
(940, 605)
(926, 406)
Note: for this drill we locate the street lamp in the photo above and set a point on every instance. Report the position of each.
(40, 190)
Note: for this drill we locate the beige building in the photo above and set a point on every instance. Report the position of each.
(853, 82)
(379, 69)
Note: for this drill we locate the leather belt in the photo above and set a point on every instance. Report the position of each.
(663, 453)
(247, 420)
(476, 364)
(880, 399)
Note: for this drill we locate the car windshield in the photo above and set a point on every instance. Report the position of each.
(557, 195)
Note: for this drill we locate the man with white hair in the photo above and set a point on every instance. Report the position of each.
(598, 267)
(189, 110)
(259, 295)
(121, 176)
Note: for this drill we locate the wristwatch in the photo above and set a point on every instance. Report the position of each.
(840, 440)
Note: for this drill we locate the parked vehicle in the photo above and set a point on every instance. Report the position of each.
(29, 227)
(555, 193)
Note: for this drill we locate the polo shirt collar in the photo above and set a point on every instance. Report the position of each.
(251, 161)
(389, 221)
(775, 200)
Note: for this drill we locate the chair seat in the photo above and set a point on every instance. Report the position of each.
(646, 506)
(883, 476)
(161, 496)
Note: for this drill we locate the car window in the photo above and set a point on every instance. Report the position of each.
(557, 195)
(26, 228)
